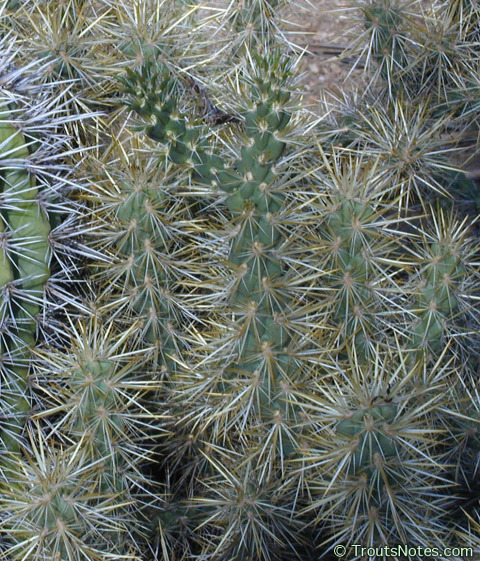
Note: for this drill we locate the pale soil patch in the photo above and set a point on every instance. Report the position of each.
(321, 29)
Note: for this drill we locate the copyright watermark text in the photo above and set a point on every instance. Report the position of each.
(402, 550)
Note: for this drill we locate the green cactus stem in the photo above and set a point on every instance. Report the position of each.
(144, 228)
(446, 286)
(366, 426)
(256, 369)
(97, 393)
(155, 97)
(103, 399)
(53, 508)
(25, 269)
(373, 464)
(39, 236)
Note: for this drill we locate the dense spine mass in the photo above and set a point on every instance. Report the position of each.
(142, 228)
(256, 368)
(248, 333)
(41, 257)
(40, 241)
(388, 293)
(25, 269)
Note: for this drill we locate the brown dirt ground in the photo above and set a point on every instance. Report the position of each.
(320, 29)
(323, 29)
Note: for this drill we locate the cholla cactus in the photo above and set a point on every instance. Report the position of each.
(52, 507)
(39, 253)
(79, 490)
(142, 225)
(375, 467)
(252, 391)
(283, 299)
(445, 285)
(252, 369)
(41, 262)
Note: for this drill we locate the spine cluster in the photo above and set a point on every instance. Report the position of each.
(236, 331)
